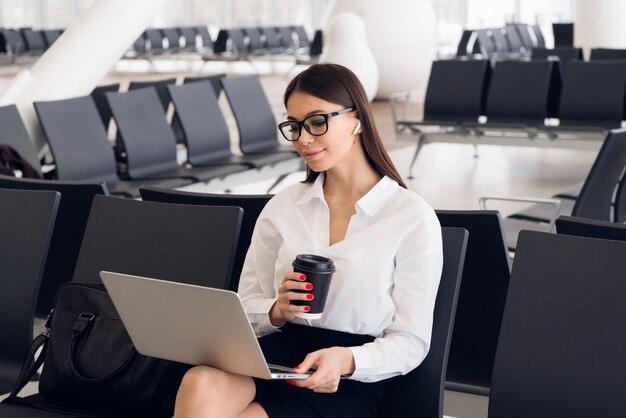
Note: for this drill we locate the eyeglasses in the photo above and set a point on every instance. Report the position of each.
(316, 125)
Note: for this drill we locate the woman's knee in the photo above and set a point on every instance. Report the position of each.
(202, 380)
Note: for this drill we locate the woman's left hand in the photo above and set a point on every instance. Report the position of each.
(330, 364)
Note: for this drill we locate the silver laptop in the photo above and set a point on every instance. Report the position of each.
(190, 324)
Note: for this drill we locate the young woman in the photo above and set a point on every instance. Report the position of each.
(385, 242)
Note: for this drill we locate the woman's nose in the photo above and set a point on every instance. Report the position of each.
(305, 137)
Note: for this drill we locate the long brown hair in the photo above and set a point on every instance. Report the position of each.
(337, 84)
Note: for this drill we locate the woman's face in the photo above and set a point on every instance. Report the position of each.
(334, 147)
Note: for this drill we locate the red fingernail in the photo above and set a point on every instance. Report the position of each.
(309, 297)
(302, 277)
(307, 308)
(309, 286)
(297, 367)
(291, 382)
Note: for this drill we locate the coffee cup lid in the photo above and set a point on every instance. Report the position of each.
(314, 262)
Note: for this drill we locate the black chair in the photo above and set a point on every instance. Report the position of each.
(155, 39)
(564, 54)
(502, 46)
(182, 243)
(172, 35)
(598, 54)
(51, 35)
(74, 206)
(215, 80)
(311, 53)
(286, 38)
(34, 41)
(482, 295)
(101, 102)
(252, 206)
(580, 227)
(484, 44)
(462, 49)
(523, 34)
(523, 93)
(563, 34)
(81, 150)
(26, 222)
(273, 41)
(539, 41)
(594, 201)
(302, 38)
(12, 42)
(189, 34)
(205, 131)
(419, 393)
(456, 93)
(14, 133)
(205, 37)
(561, 346)
(255, 119)
(230, 43)
(255, 43)
(149, 142)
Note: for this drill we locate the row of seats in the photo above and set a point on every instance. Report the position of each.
(230, 43)
(529, 351)
(26, 41)
(512, 41)
(146, 146)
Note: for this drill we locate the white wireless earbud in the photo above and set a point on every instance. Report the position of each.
(357, 127)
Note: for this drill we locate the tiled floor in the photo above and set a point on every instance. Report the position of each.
(448, 176)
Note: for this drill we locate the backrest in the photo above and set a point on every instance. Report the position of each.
(456, 90)
(561, 347)
(101, 102)
(539, 39)
(581, 227)
(499, 37)
(420, 392)
(596, 195)
(462, 48)
(230, 41)
(215, 81)
(486, 45)
(14, 41)
(520, 91)
(34, 40)
(255, 42)
(317, 44)
(563, 34)
(73, 209)
(205, 129)
(593, 94)
(484, 285)
(26, 222)
(205, 36)
(14, 133)
(252, 206)
(139, 45)
(253, 113)
(523, 31)
(620, 201)
(182, 243)
(286, 37)
(77, 139)
(607, 54)
(189, 35)
(272, 40)
(155, 37)
(302, 36)
(173, 38)
(143, 129)
(513, 38)
(564, 54)
(159, 85)
(51, 35)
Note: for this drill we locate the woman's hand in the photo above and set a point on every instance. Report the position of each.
(283, 310)
(330, 364)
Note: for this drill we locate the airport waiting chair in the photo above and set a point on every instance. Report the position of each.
(594, 201)
(456, 93)
(13, 42)
(101, 102)
(501, 44)
(599, 54)
(205, 37)
(215, 80)
(419, 393)
(51, 35)
(149, 142)
(463, 49)
(273, 41)
(539, 41)
(581, 227)
(72, 213)
(155, 40)
(258, 134)
(26, 221)
(255, 43)
(310, 54)
(189, 35)
(252, 206)
(484, 286)
(564, 54)
(563, 34)
(14, 133)
(522, 94)
(523, 34)
(302, 38)
(286, 38)
(34, 41)
(81, 150)
(484, 44)
(230, 44)
(172, 35)
(182, 243)
(561, 346)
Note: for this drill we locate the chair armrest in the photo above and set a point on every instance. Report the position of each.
(556, 203)
(394, 98)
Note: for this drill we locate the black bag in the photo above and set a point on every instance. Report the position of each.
(91, 364)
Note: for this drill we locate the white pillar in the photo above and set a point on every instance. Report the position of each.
(599, 24)
(81, 57)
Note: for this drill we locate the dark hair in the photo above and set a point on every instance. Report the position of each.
(337, 84)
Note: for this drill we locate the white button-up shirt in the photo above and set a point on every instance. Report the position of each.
(387, 270)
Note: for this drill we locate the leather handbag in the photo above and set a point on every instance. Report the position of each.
(90, 364)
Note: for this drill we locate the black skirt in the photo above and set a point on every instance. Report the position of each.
(288, 348)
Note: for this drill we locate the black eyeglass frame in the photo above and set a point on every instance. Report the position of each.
(302, 123)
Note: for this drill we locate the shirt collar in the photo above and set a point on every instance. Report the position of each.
(368, 204)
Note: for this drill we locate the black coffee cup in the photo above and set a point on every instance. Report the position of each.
(318, 271)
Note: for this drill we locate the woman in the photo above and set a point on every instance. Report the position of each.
(385, 242)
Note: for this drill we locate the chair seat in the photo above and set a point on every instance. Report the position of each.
(542, 213)
(130, 188)
(164, 174)
(209, 173)
(512, 228)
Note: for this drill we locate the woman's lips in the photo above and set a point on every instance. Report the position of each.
(311, 155)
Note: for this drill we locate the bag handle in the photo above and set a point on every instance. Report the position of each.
(83, 321)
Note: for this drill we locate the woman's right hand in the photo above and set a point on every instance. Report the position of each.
(282, 310)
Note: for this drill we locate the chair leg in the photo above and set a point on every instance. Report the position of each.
(417, 151)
